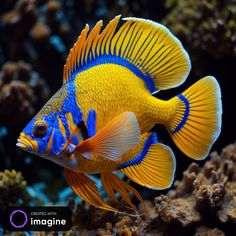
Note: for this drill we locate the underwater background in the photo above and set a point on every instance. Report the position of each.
(35, 39)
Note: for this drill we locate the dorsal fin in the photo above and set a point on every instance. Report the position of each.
(147, 48)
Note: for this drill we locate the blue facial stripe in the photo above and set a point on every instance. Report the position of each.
(70, 105)
(58, 142)
(65, 124)
(186, 113)
(91, 123)
(139, 158)
(111, 59)
(75, 140)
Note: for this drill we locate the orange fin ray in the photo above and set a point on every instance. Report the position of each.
(85, 188)
(112, 183)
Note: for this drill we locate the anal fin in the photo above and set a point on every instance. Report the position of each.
(111, 184)
(85, 188)
(153, 167)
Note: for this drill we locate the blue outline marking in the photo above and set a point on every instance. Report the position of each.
(186, 113)
(111, 59)
(91, 123)
(139, 158)
(70, 106)
(65, 124)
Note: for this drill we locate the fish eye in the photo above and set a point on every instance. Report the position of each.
(40, 129)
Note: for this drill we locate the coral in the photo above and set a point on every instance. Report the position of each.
(204, 25)
(204, 231)
(178, 210)
(94, 221)
(21, 91)
(12, 187)
(203, 196)
(12, 184)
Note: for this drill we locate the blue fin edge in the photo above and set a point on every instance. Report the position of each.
(91, 123)
(186, 113)
(139, 158)
(111, 59)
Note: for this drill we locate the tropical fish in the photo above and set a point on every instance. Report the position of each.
(99, 121)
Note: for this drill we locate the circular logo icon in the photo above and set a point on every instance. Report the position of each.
(14, 219)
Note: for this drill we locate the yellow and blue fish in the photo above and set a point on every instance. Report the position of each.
(99, 121)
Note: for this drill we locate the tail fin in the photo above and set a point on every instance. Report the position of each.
(197, 121)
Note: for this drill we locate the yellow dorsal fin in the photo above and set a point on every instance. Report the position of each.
(145, 47)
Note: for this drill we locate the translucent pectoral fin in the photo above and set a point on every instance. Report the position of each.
(118, 137)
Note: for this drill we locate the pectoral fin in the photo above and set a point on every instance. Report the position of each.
(85, 188)
(111, 142)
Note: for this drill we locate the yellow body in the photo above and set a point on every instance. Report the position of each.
(109, 90)
(113, 89)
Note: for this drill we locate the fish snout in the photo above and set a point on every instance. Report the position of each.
(26, 143)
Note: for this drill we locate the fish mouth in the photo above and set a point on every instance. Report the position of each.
(26, 143)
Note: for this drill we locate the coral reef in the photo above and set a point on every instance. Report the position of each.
(35, 37)
(204, 196)
(21, 91)
(204, 25)
(12, 184)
